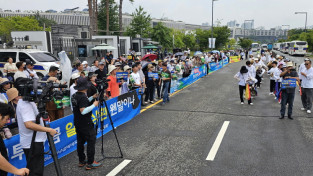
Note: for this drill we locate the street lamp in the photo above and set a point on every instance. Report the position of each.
(212, 24)
(244, 27)
(306, 18)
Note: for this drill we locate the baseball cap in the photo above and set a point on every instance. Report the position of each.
(53, 68)
(101, 63)
(85, 62)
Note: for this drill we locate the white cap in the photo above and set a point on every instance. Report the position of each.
(75, 75)
(85, 62)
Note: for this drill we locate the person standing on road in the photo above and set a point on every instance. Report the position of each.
(82, 110)
(251, 69)
(243, 76)
(288, 94)
(166, 78)
(307, 87)
(273, 79)
(302, 68)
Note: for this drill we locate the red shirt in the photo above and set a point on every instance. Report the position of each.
(113, 86)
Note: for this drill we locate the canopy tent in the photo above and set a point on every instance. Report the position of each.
(150, 46)
(104, 46)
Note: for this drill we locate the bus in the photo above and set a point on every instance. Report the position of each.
(276, 46)
(285, 47)
(255, 47)
(298, 48)
(264, 47)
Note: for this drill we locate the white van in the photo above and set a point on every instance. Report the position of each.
(298, 48)
(264, 47)
(42, 60)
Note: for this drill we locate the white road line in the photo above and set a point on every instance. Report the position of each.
(118, 168)
(217, 142)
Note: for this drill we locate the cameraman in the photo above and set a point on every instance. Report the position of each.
(82, 110)
(26, 113)
(6, 111)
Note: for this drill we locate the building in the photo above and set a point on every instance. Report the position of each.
(248, 25)
(262, 35)
(232, 24)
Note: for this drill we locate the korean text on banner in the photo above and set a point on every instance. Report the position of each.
(288, 83)
(122, 109)
(215, 66)
(234, 59)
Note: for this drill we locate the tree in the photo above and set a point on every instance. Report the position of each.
(113, 16)
(189, 40)
(120, 16)
(245, 43)
(231, 44)
(162, 34)
(178, 38)
(202, 38)
(221, 34)
(44, 22)
(140, 24)
(9, 24)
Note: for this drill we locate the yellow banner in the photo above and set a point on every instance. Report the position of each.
(234, 59)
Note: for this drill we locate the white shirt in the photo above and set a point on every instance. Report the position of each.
(25, 112)
(273, 71)
(243, 78)
(301, 69)
(27, 71)
(263, 58)
(19, 74)
(72, 91)
(252, 70)
(93, 69)
(307, 82)
(136, 77)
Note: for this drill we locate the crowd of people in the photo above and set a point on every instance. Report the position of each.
(283, 79)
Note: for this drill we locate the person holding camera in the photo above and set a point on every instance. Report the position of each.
(6, 111)
(54, 112)
(82, 110)
(26, 113)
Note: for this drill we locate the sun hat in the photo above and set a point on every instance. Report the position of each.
(75, 75)
(126, 67)
(289, 64)
(117, 64)
(81, 84)
(306, 59)
(12, 93)
(244, 69)
(111, 68)
(4, 81)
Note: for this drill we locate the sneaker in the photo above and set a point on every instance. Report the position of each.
(271, 93)
(146, 102)
(82, 164)
(251, 104)
(308, 111)
(151, 102)
(302, 109)
(282, 117)
(94, 165)
(242, 103)
(289, 117)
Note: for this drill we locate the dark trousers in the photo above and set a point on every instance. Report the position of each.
(83, 136)
(307, 98)
(241, 90)
(272, 85)
(258, 84)
(36, 161)
(158, 87)
(149, 92)
(286, 98)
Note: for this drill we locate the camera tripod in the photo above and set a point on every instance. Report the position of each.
(101, 122)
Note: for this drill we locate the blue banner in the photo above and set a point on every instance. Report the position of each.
(288, 83)
(225, 61)
(121, 76)
(122, 109)
(215, 66)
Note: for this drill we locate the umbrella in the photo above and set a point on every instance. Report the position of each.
(179, 54)
(198, 53)
(215, 51)
(152, 57)
(104, 46)
(150, 46)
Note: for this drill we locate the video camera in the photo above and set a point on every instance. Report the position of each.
(102, 84)
(31, 90)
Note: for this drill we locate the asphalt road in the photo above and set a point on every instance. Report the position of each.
(176, 139)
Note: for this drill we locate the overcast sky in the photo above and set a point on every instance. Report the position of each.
(267, 13)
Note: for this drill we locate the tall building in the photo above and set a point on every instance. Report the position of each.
(248, 25)
(231, 23)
